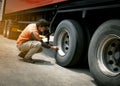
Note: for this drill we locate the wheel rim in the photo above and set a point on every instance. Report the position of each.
(63, 42)
(109, 55)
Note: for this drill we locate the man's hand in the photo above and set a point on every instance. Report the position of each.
(54, 47)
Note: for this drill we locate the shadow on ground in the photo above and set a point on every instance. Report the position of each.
(40, 62)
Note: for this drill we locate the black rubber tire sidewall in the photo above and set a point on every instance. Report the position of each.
(109, 27)
(76, 49)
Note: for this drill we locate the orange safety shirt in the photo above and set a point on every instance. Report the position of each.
(26, 33)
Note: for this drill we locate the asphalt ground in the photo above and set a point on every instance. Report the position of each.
(45, 72)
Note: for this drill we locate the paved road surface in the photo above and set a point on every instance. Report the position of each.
(15, 72)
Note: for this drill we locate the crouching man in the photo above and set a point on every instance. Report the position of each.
(29, 42)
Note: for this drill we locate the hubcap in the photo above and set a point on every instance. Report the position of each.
(109, 55)
(63, 43)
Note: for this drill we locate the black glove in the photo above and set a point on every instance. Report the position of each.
(46, 45)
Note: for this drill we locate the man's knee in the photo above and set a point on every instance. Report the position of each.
(38, 45)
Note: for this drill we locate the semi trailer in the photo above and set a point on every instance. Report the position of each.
(87, 32)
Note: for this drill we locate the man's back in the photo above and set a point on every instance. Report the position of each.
(25, 35)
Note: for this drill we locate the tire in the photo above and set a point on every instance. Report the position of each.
(104, 54)
(70, 40)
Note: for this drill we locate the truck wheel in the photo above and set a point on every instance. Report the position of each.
(70, 40)
(104, 54)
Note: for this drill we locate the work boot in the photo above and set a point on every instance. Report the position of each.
(29, 60)
(22, 54)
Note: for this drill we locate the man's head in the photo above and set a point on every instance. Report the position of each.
(42, 25)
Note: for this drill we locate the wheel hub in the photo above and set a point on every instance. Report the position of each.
(117, 58)
(117, 55)
(63, 43)
(109, 55)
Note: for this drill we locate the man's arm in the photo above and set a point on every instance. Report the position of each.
(35, 36)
